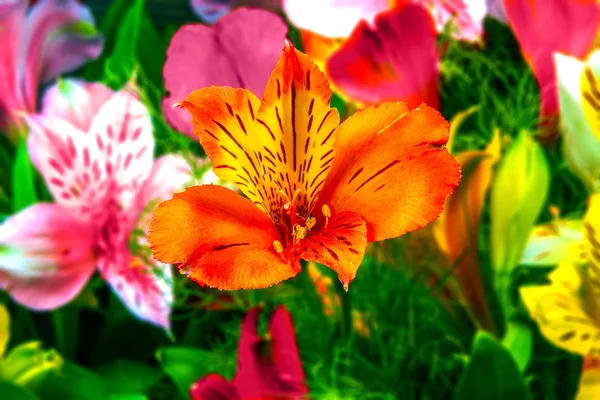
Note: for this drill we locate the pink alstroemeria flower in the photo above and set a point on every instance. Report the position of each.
(545, 27)
(36, 46)
(267, 369)
(94, 148)
(240, 51)
(395, 59)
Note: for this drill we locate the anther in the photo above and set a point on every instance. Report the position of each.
(278, 246)
(299, 232)
(326, 213)
(310, 223)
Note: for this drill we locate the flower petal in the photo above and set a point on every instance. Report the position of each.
(168, 175)
(332, 18)
(70, 162)
(340, 245)
(285, 145)
(123, 133)
(59, 38)
(210, 11)
(219, 239)
(553, 243)
(589, 384)
(590, 92)
(560, 313)
(459, 224)
(395, 59)
(580, 146)
(46, 256)
(225, 55)
(545, 27)
(146, 288)
(274, 370)
(213, 387)
(12, 21)
(75, 101)
(391, 168)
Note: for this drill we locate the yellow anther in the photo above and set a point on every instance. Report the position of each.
(278, 246)
(326, 211)
(310, 223)
(555, 211)
(299, 232)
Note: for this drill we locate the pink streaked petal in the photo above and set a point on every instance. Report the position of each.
(46, 256)
(269, 369)
(332, 18)
(396, 59)
(52, 45)
(122, 131)
(169, 174)
(466, 17)
(214, 387)
(12, 21)
(75, 101)
(552, 26)
(495, 9)
(145, 288)
(71, 164)
(226, 54)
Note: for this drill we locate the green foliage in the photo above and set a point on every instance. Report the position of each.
(491, 373)
(23, 179)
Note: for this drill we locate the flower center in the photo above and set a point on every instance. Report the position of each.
(294, 227)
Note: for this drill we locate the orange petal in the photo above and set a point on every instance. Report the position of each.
(219, 239)
(458, 226)
(295, 109)
(392, 169)
(224, 120)
(340, 245)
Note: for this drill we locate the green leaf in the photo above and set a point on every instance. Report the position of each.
(491, 374)
(10, 391)
(29, 364)
(130, 376)
(120, 64)
(518, 341)
(23, 179)
(77, 383)
(185, 365)
(518, 194)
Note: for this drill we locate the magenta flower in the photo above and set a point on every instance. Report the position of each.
(395, 59)
(36, 46)
(240, 50)
(545, 27)
(266, 368)
(94, 148)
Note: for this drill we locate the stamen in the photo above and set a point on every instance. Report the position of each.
(326, 213)
(299, 232)
(278, 246)
(310, 223)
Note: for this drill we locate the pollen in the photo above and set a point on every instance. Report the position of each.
(278, 246)
(299, 232)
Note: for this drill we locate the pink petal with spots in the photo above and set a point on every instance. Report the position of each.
(333, 18)
(46, 256)
(169, 175)
(75, 101)
(54, 43)
(12, 21)
(394, 60)
(144, 286)
(465, 16)
(72, 165)
(545, 27)
(240, 50)
(122, 130)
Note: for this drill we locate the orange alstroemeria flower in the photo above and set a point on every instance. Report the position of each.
(315, 189)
